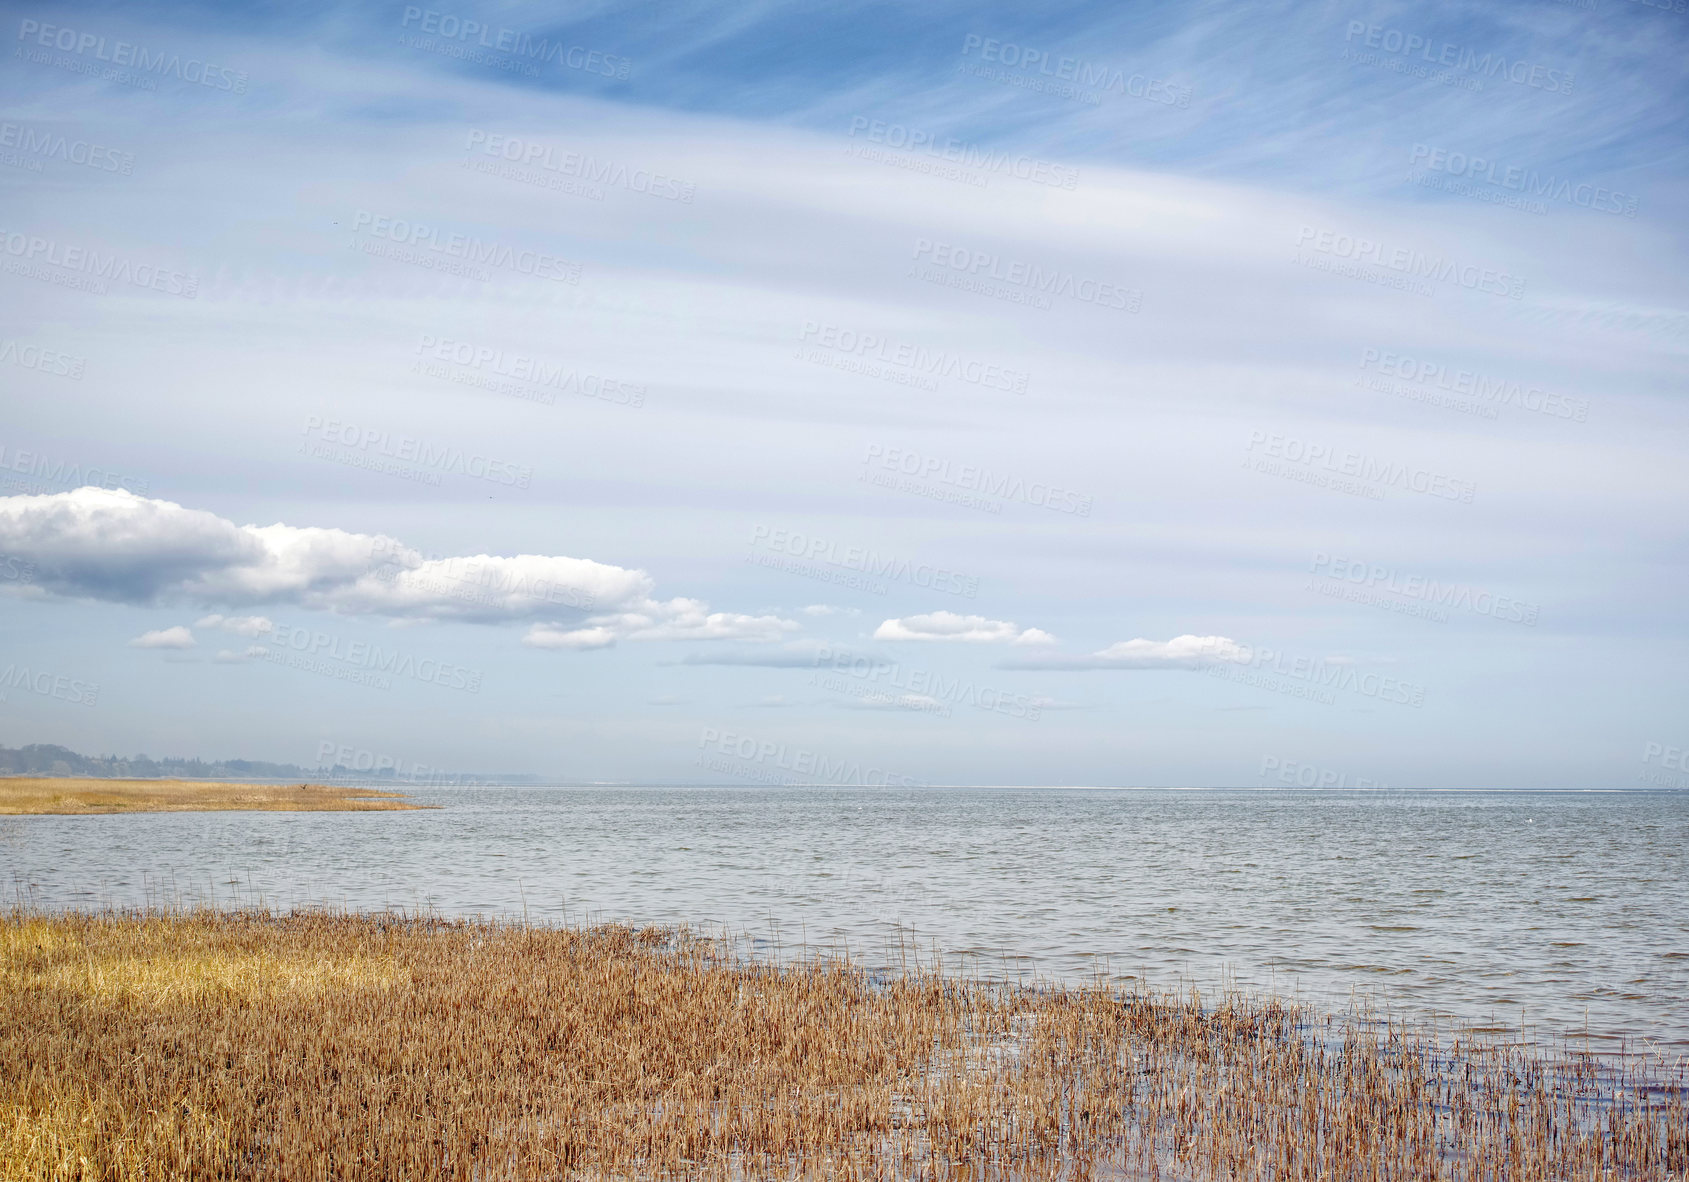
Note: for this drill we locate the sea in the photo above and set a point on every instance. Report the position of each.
(1552, 914)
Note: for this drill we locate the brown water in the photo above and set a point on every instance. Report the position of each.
(1554, 909)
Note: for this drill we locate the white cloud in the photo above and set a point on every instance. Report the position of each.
(239, 625)
(1182, 652)
(942, 625)
(677, 619)
(551, 636)
(487, 587)
(177, 637)
(114, 545)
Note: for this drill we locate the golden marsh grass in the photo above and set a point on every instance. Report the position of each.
(47, 794)
(315, 1045)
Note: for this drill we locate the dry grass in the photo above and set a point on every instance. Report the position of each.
(46, 794)
(308, 1046)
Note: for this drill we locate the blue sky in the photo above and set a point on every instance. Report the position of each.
(1159, 395)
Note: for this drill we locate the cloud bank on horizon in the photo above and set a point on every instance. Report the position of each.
(113, 545)
(871, 367)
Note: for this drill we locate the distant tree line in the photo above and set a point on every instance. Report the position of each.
(46, 759)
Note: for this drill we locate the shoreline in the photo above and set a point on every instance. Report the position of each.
(38, 796)
(286, 1045)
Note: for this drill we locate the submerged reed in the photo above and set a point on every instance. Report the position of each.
(311, 1045)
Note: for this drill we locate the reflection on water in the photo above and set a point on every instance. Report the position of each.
(1545, 906)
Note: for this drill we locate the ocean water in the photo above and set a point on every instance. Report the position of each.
(1543, 911)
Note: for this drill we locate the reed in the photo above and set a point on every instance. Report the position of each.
(314, 1045)
(49, 794)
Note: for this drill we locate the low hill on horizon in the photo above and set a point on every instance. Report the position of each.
(49, 759)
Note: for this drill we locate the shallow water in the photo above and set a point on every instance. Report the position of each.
(1554, 909)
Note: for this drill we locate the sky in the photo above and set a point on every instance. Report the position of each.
(1207, 394)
